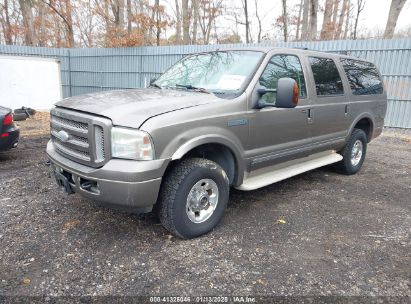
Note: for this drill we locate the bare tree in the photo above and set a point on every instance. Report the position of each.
(27, 14)
(196, 16)
(178, 22)
(259, 21)
(65, 13)
(117, 7)
(313, 19)
(360, 8)
(326, 29)
(336, 5)
(285, 20)
(300, 10)
(343, 14)
(6, 24)
(129, 17)
(305, 25)
(208, 11)
(247, 23)
(395, 10)
(186, 17)
(347, 20)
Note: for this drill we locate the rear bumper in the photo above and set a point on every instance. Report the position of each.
(11, 140)
(123, 184)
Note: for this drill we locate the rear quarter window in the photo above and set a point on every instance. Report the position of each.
(326, 76)
(363, 77)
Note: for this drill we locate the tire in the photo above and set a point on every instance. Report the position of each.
(19, 116)
(175, 209)
(349, 164)
(28, 111)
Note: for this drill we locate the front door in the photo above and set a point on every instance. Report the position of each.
(280, 134)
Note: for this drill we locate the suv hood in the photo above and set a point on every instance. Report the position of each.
(131, 108)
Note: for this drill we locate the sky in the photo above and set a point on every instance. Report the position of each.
(373, 16)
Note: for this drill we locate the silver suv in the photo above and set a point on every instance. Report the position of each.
(243, 118)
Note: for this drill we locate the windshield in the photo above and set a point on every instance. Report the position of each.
(222, 71)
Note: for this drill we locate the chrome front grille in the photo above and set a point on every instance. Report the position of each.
(80, 137)
(70, 124)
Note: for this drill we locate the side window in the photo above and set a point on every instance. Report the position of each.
(281, 66)
(363, 77)
(326, 76)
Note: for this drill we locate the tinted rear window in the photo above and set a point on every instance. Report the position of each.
(363, 77)
(326, 76)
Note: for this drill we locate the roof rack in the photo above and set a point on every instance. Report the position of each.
(307, 49)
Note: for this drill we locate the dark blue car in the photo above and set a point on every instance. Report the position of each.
(9, 132)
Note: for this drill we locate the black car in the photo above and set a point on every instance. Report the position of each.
(9, 132)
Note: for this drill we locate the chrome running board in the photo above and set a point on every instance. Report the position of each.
(267, 176)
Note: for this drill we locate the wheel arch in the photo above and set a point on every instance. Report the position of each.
(218, 149)
(366, 123)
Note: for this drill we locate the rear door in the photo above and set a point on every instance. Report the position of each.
(329, 114)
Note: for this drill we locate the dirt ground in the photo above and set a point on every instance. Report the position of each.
(319, 233)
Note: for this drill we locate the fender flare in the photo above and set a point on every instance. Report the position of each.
(357, 119)
(214, 139)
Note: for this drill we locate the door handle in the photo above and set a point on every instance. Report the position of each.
(346, 111)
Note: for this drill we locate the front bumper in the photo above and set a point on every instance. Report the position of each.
(124, 184)
(11, 140)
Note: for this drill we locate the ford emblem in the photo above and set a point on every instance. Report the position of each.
(63, 135)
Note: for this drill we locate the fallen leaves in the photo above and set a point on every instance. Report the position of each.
(69, 225)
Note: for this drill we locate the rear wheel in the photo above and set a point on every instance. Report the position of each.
(193, 197)
(353, 153)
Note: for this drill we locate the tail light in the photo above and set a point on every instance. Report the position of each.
(8, 120)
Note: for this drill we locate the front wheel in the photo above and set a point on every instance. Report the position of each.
(193, 197)
(353, 153)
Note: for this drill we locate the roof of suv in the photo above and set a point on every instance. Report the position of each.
(267, 49)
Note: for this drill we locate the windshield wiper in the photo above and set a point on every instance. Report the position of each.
(154, 85)
(190, 87)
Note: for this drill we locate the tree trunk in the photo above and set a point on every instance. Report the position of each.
(186, 22)
(285, 20)
(341, 20)
(395, 10)
(41, 32)
(247, 24)
(7, 31)
(27, 14)
(360, 7)
(69, 23)
(195, 20)
(347, 20)
(336, 3)
(259, 21)
(313, 19)
(178, 23)
(297, 34)
(304, 29)
(158, 28)
(129, 17)
(326, 28)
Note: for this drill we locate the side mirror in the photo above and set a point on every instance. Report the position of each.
(287, 93)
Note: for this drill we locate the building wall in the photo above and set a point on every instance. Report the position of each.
(92, 70)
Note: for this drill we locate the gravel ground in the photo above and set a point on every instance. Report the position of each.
(319, 233)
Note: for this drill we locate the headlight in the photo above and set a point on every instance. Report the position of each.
(131, 144)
